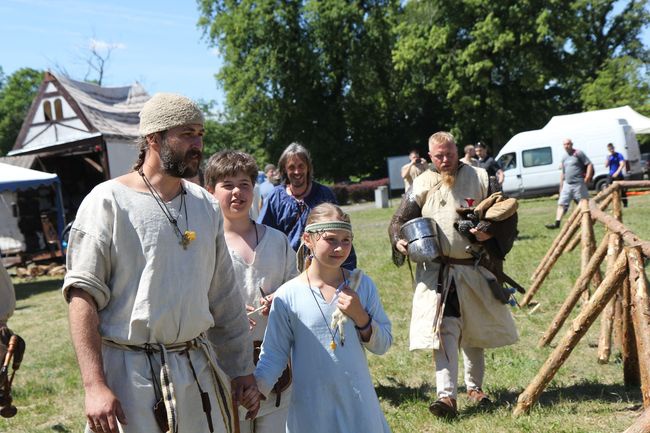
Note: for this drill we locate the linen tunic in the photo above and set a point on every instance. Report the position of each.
(273, 265)
(490, 323)
(125, 253)
(333, 391)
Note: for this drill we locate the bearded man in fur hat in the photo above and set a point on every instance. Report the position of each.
(457, 304)
(154, 312)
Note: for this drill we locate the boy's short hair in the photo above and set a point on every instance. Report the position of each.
(229, 163)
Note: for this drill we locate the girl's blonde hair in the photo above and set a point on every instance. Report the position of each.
(324, 212)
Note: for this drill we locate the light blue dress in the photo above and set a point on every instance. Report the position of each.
(332, 389)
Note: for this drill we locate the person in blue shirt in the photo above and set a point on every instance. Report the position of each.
(270, 181)
(287, 206)
(616, 164)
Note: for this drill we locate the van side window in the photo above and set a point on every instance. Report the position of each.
(508, 161)
(535, 157)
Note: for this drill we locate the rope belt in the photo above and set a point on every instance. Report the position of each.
(168, 395)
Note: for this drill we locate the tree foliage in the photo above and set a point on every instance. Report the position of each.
(356, 81)
(16, 94)
(316, 72)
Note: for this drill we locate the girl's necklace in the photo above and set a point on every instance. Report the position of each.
(185, 237)
(332, 333)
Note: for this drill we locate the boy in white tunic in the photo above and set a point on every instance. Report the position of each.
(454, 306)
(150, 286)
(262, 258)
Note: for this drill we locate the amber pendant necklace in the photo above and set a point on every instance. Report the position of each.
(188, 235)
(332, 333)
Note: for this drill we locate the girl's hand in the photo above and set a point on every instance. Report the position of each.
(349, 303)
(251, 322)
(266, 301)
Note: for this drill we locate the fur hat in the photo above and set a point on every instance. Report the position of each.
(165, 111)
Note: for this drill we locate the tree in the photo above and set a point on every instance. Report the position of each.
(502, 67)
(16, 95)
(367, 79)
(621, 81)
(315, 72)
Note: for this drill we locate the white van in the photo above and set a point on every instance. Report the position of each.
(531, 160)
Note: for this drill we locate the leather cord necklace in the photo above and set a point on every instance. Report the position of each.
(188, 235)
(336, 330)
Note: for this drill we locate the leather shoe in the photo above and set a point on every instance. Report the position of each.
(444, 407)
(551, 226)
(476, 395)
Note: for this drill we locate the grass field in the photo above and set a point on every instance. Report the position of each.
(583, 397)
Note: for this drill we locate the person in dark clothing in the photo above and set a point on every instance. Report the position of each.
(615, 162)
(487, 162)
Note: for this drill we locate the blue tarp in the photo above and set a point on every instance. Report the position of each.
(14, 178)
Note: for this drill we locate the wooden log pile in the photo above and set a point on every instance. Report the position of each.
(621, 299)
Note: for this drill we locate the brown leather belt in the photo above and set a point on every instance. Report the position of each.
(453, 261)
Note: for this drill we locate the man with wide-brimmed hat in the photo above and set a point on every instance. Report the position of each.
(154, 312)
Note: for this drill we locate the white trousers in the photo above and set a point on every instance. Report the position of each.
(447, 360)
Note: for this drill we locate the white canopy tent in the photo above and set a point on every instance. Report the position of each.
(640, 124)
(12, 180)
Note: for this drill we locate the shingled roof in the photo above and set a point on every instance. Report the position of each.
(113, 111)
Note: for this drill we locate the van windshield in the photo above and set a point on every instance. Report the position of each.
(508, 161)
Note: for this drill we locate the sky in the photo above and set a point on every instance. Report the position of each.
(156, 43)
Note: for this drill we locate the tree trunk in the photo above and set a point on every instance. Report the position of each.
(617, 227)
(563, 231)
(574, 242)
(578, 329)
(588, 244)
(555, 254)
(631, 376)
(640, 318)
(607, 319)
(580, 286)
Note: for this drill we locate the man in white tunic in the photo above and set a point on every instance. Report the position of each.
(154, 311)
(453, 305)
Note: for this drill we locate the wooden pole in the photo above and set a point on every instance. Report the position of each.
(587, 241)
(563, 231)
(607, 319)
(578, 329)
(580, 286)
(602, 206)
(554, 256)
(632, 183)
(616, 205)
(642, 423)
(618, 227)
(631, 376)
(640, 297)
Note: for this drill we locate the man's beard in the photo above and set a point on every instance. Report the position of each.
(448, 178)
(177, 165)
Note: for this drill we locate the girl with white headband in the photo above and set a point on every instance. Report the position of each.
(323, 320)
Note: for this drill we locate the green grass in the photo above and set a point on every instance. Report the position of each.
(583, 397)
